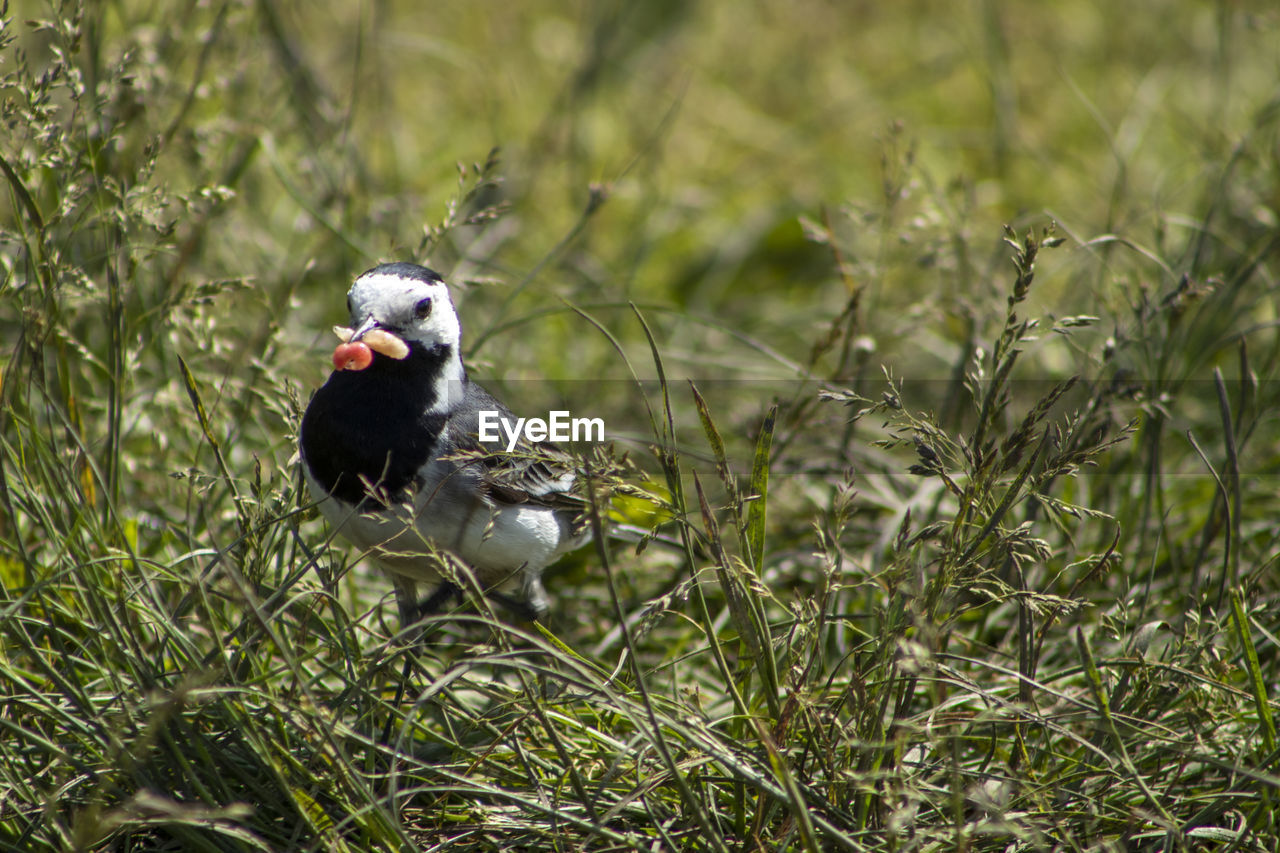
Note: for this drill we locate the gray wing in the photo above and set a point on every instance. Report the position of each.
(535, 473)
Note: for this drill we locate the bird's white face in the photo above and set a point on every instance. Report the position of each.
(396, 308)
(415, 311)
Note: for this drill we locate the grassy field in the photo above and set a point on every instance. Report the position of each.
(940, 341)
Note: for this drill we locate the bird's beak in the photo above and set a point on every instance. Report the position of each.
(375, 337)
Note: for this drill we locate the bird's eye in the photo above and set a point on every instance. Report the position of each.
(423, 309)
(348, 304)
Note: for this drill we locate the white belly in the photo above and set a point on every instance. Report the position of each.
(496, 542)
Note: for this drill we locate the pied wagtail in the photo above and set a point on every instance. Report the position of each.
(390, 448)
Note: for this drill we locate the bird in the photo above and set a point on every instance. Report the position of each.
(391, 451)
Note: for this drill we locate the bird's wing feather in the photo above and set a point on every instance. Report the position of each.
(532, 472)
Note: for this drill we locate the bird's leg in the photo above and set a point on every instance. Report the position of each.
(532, 603)
(433, 602)
(411, 608)
(406, 599)
(533, 593)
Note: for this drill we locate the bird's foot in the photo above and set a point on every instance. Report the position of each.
(529, 610)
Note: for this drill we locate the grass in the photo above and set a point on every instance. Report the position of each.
(954, 541)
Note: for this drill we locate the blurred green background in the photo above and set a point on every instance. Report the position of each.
(681, 155)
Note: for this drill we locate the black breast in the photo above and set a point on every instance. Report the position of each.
(372, 424)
